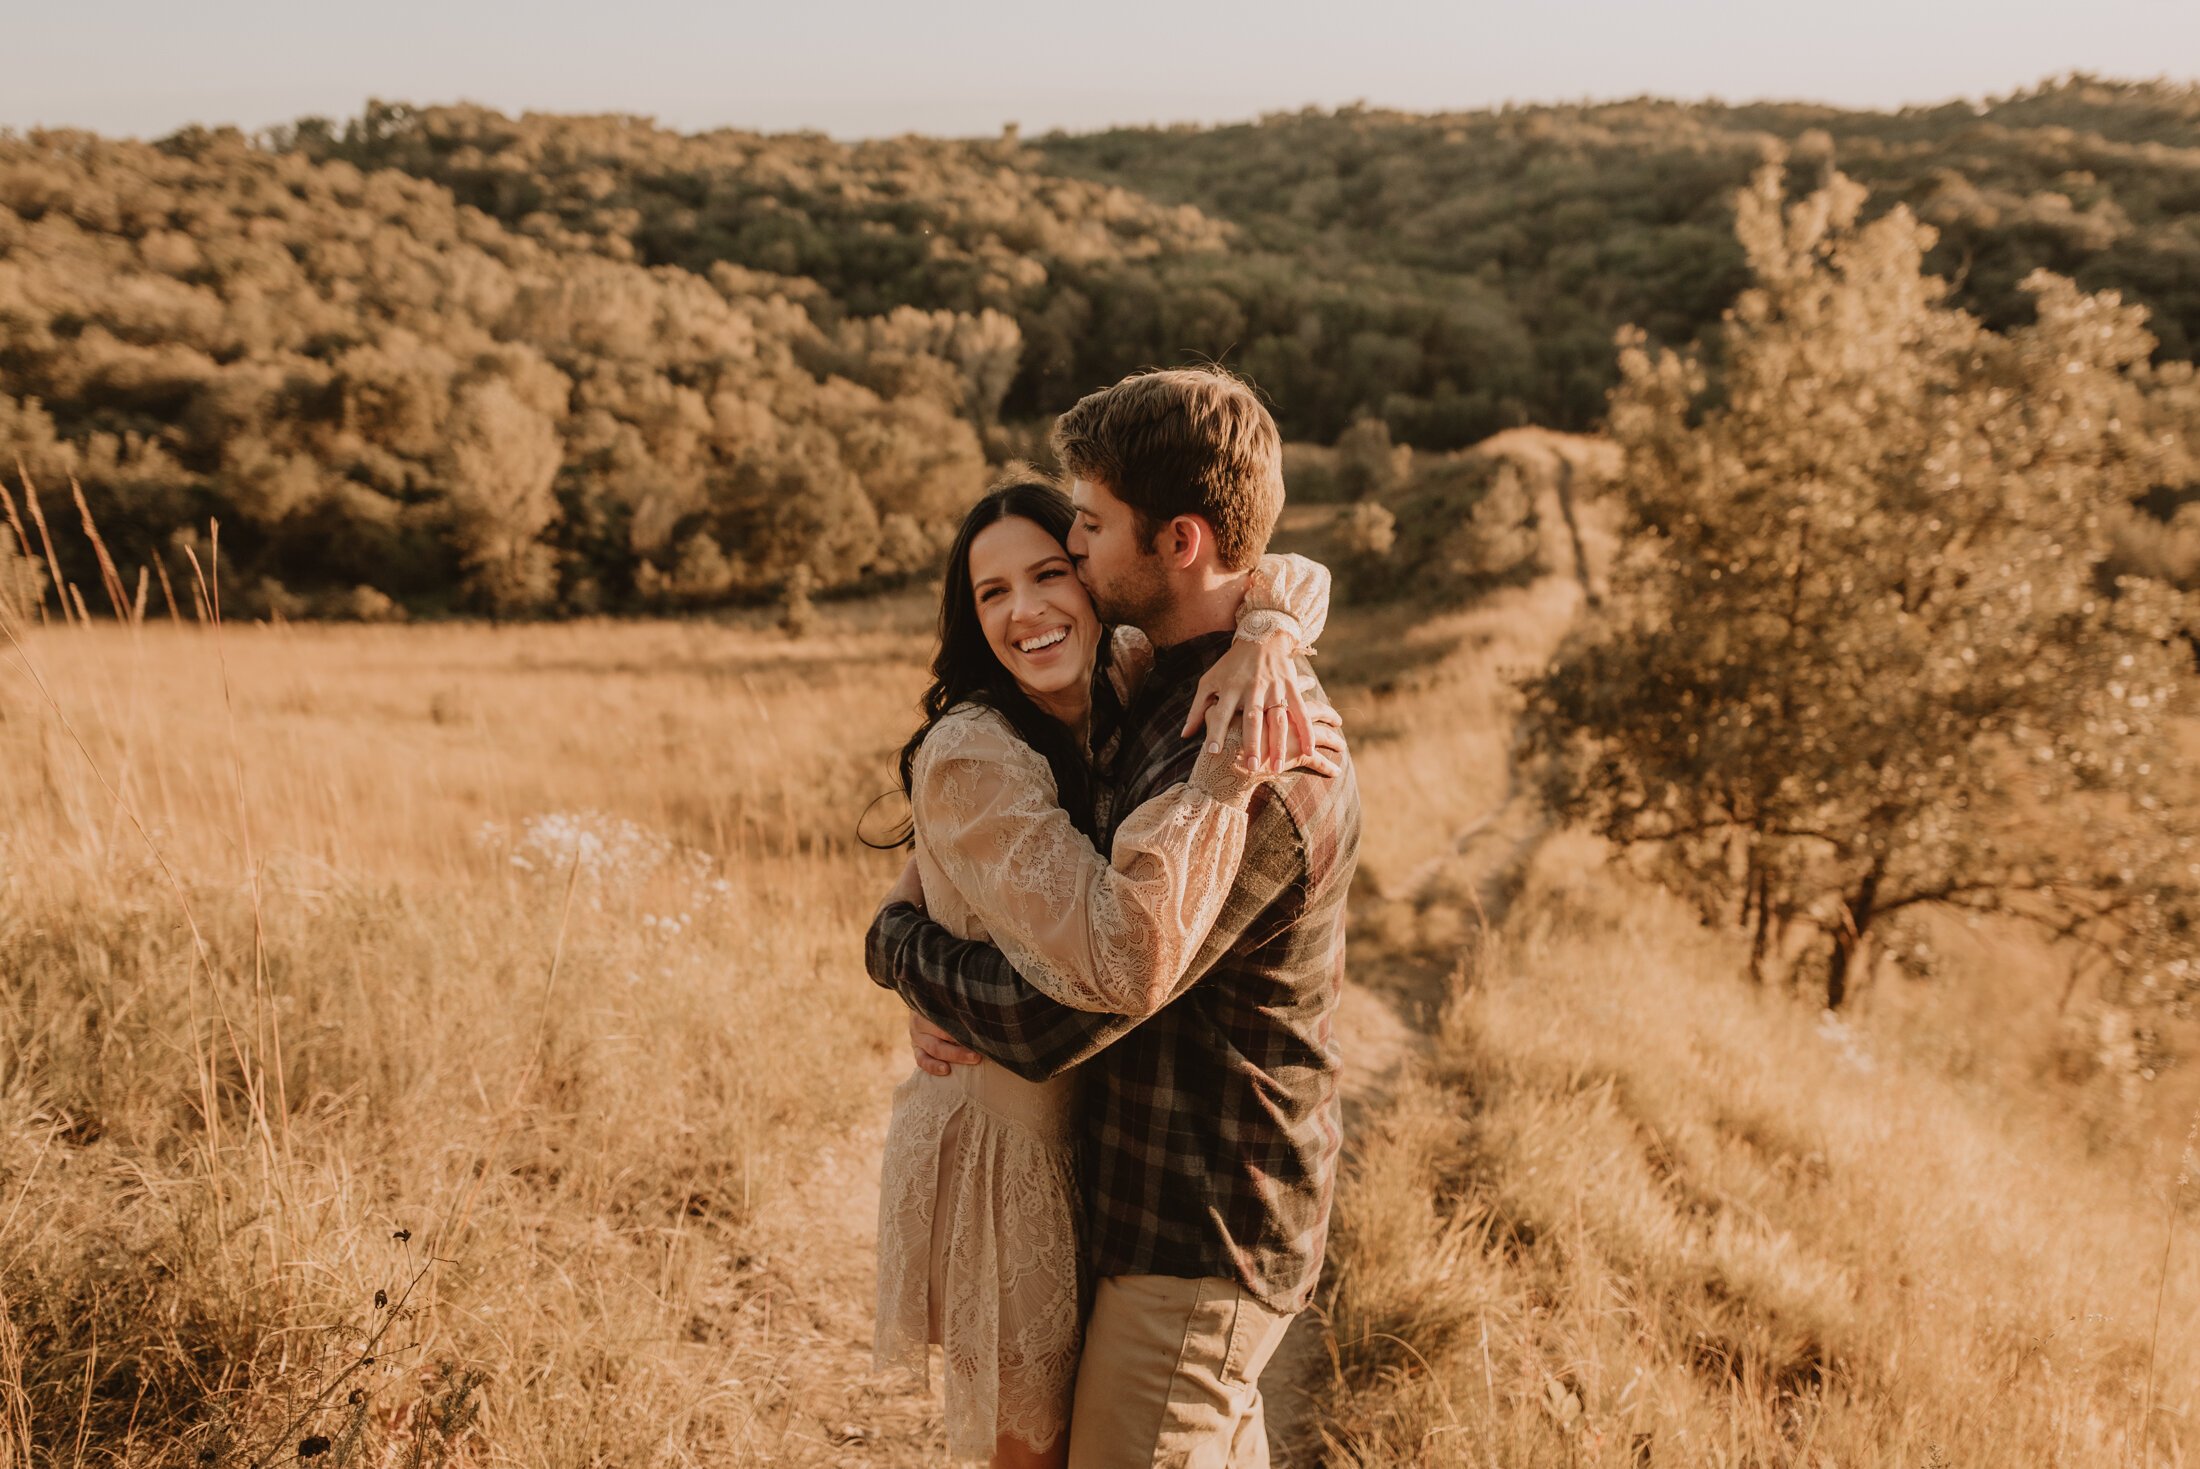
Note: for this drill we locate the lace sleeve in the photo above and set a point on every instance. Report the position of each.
(1130, 659)
(1112, 936)
(1286, 592)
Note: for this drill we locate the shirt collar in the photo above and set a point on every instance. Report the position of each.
(1186, 662)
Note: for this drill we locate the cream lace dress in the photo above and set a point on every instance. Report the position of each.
(978, 1245)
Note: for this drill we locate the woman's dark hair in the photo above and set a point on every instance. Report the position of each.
(965, 669)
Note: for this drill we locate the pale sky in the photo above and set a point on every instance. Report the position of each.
(868, 67)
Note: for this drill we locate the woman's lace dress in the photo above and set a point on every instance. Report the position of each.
(978, 1231)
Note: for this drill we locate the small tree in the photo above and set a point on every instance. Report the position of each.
(1864, 660)
(504, 459)
(1368, 531)
(1368, 463)
(797, 614)
(702, 574)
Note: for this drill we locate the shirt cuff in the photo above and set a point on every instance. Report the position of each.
(1261, 621)
(1216, 775)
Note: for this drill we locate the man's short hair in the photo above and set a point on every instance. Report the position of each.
(1182, 441)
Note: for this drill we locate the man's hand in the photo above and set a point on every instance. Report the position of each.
(1259, 678)
(908, 888)
(936, 1051)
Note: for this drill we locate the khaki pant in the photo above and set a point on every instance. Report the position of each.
(1170, 1376)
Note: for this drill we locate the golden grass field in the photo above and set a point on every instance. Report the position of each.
(543, 945)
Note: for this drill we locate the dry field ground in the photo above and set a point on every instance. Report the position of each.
(539, 946)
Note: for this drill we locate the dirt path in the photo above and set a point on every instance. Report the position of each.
(1383, 1028)
(1386, 1016)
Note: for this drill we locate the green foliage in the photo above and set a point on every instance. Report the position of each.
(389, 399)
(1866, 660)
(1530, 234)
(286, 333)
(1440, 530)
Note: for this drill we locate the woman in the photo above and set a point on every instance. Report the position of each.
(978, 1246)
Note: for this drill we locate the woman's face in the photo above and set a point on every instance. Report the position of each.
(1035, 612)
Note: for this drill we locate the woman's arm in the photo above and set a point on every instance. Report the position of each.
(1286, 594)
(1130, 660)
(1286, 607)
(1104, 934)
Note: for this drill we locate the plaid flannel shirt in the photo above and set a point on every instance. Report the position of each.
(1210, 1130)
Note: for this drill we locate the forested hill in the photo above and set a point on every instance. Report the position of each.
(1567, 222)
(1454, 274)
(436, 358)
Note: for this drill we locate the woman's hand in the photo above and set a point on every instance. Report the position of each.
(1259, 678)
(1328, 743)
(1226, 776)
(1327, 749)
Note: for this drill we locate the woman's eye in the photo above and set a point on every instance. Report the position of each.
(989, 594)
(1051, 573)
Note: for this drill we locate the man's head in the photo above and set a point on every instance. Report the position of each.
(1178, 480)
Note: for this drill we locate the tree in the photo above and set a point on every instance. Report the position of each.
(1369, 466)
(1865, 659)
(504, 459)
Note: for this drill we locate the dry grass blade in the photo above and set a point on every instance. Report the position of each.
(109, 577)
(45, 536)
(266, 1023)
(15, 1403)
(168, 591)
(457, 1227)
(2183, 1178)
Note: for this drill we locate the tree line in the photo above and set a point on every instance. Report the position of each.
(392, 400)
(444, 359)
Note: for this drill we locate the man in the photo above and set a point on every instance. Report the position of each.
(1211, 1129)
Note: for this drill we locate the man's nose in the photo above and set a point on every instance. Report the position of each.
(1076, 542)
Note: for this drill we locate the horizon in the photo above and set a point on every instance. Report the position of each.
(340, 117)
(254, 66)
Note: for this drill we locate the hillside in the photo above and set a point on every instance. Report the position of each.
(441, 360)
(1577, 220)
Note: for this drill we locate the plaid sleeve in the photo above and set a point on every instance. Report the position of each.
(969, 990)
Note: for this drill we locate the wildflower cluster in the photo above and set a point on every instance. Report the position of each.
(609, 858)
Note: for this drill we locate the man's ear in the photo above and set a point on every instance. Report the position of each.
(1185, 540)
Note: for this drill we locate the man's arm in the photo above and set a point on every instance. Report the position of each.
(969, 990)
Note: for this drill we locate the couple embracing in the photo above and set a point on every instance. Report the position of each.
(1107, 1187)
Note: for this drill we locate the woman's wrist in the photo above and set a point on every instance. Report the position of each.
(1219, 776)
(1263, 623)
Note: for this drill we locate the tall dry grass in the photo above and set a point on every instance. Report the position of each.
(536, 945)
(1615, 1206)
(1625, 1209)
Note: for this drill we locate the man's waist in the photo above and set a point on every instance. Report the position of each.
(1265, 1168)
(1277, 1259)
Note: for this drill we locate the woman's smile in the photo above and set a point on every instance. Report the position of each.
(1039, 643)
